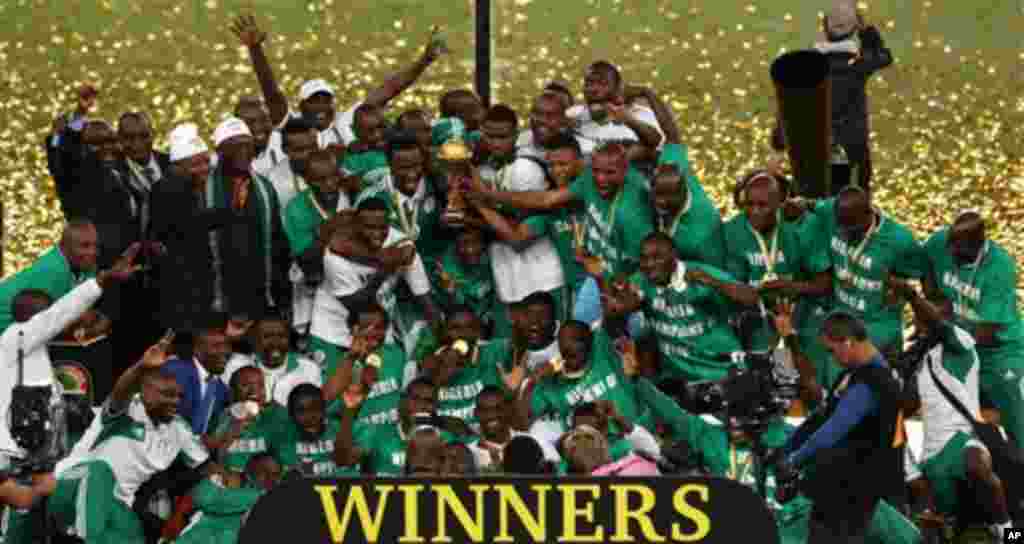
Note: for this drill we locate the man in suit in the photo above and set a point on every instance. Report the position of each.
(203, 391)
(67, 124)
(146, 166)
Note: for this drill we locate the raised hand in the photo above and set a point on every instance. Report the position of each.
(513, 379)
(157, 354)
(123, 269)
(247, 32)
(87, 94)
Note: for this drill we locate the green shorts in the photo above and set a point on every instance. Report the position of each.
(944, 469)
(1001, 381)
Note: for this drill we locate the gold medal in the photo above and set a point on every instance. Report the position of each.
(374, 360)
(461, 346)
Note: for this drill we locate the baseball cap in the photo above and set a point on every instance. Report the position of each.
(313, 87)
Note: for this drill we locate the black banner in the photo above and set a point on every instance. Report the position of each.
(494, 510)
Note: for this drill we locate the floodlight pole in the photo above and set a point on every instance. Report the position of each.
(484, 51)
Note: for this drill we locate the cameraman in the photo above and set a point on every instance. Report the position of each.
(853, 442)
(951, 453)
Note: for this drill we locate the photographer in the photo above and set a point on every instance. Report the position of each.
(853, 442)
(951, 453)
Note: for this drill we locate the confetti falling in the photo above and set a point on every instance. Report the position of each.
(946, 122)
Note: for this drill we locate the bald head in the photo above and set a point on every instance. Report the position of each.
(80, 245)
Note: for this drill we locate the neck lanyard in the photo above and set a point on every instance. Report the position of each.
(316, 205)
(974, 274)
(738, 471)
(770, 254)
(854, 256)
(407, 220)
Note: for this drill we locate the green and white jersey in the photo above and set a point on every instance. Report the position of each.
(293, 450)
(955, 362)
(554, 398)
(615, 229)
(982, 292)
(696, 230)
(136, 448)
(561, 226)
(279, 381)
(286, 184)
(381, 404)
(417, 216)
(457, 398)
(689, 320)
(343, 277)
(256, 438)
(219, 512)
(860, 270)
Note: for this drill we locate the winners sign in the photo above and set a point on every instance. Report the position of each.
(494, 510)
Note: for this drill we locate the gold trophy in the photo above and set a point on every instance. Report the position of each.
(455, 158)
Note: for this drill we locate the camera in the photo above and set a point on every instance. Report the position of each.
(40, 421)
(759, 388)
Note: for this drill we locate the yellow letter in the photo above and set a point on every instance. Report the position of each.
(412, 518)
(570, 512)
(700, 519)
(642, 515)
(474, 527)
(371, 529)
(536, 525)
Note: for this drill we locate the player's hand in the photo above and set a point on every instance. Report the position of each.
(245, 28)
(784, 318)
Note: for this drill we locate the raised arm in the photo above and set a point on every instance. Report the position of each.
(662, 113)
(346, 453)
(739, 293)
(399, 82)
(252, 37)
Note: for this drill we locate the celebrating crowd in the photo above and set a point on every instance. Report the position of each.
(371, 292)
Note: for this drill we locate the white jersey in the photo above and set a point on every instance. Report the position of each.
(272, 155)
(31, 337)
(484, 460)
(941, 420)
(591, 134)
(286, 184)
(136, 448)
(343, 277)
(279, 381)
(520, 272)
(339, 131)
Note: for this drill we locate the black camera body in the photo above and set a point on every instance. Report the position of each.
(759, 388)
(39, 425)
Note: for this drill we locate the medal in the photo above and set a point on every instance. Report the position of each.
(771, 254)
(845, 275)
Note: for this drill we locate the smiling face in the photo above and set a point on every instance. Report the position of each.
(854, 216)
(298, 146)
(762, 203)
(374, 227)
(309, 416)
(160, 396)
(271, 342)
(322, 173)
(373, 326)
(547, 119)
(369, 127)
(499, 138)
(668, 193)
(249, 386)
(258, 121)
(565, 165)
(657, 261)
(490, 412)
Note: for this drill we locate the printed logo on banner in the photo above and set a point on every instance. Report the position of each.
(478, 510)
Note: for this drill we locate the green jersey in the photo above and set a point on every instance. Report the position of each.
(561, 226)
(370, 166)
(689, 322)
(785, 254)
(457, 398)
(381, 404)
(982, 292)
(603, 379)
(256, 438)
(295, 451)
(472, 286)
(385, 447)
(860, 270)
(302, 219)
(697, 229)
(615, 229)
(51, 273)
(219, 512)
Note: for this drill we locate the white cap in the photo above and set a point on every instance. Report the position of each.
(314, 86)
(229, 128)
(185, 142)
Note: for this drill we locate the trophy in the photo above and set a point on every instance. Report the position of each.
(455, 158)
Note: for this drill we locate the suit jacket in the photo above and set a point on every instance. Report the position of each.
(190, 406)
(186, 274)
